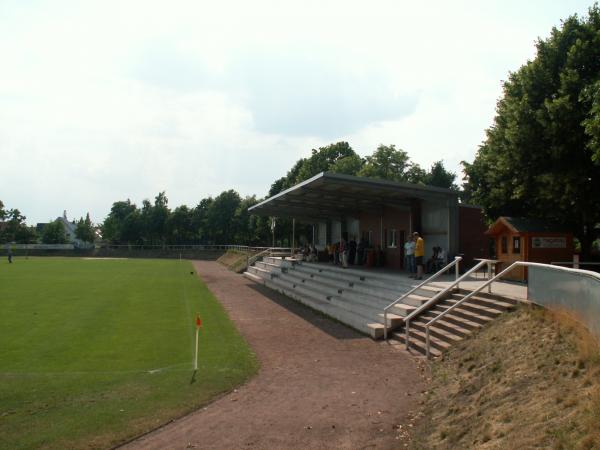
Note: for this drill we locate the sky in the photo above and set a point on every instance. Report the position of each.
(108, 100)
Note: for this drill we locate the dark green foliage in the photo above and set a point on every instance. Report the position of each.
(541, 156)
(440, 177)
(338, 157)
(54, 233)
(388, 163)
(85, 230)
(222, 220)
(14, 228)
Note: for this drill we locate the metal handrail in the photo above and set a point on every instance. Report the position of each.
(267, 251)
(433, 300)
(252, 259)
(454, 263)
(466, 297)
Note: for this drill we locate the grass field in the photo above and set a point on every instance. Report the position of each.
(93, 352)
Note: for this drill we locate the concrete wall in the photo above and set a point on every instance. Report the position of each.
(436, 230)
(575, 290)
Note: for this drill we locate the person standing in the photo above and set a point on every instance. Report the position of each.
(409, 256)
(9, 251)
(419, 254)
(344, 253)
(352, 251)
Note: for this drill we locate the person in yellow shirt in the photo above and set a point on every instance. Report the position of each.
(419, 254)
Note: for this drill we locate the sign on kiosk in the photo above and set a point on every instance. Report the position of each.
(549, 242)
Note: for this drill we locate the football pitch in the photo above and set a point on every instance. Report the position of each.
(93, 352)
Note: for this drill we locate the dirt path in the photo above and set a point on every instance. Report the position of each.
(321, 385)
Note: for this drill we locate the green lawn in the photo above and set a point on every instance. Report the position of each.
(93, 352)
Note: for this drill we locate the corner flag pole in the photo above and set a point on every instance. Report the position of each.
(198, 325)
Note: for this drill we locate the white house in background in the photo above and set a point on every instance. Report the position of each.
(70, 227)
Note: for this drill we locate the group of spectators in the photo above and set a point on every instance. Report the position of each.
(349, 252)
(414, 252)
(346, 252)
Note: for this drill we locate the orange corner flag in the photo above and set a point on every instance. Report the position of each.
(198, 321)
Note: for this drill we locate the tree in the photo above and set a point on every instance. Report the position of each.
(15, 229)
(440, 177)
(54, 233)
(540, 157)
(200, 220)
(348, 165)
(113, 225)
(221, 218)
(179, 226)
(323, 159)
(85, 230)
(26, 235)
(389, 163)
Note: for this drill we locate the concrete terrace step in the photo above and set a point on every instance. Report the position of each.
(364, 311)
(386, 281)
(463, 313)
(304, 296)
(262, 273)
(415, 344)
(446, 325)
(352, 310)
(452, 319)
(334, 288)
(280, 262)
(370, 307)
(435, 342)
(253, 277)
(269, 266)
(492, 296)
(476, 308)
(437, 331)
(497, 304)
(360, 288)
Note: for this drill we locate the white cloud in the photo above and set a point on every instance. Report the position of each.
(100, 101)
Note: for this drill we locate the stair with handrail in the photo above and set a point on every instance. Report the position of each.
(452, 314)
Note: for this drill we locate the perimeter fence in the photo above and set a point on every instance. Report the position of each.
(195, 251)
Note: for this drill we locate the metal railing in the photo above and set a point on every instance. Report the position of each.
(440, 295)
(454, 263)
(487, 284)
(251, 259)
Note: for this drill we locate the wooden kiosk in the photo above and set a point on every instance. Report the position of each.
(522, 239)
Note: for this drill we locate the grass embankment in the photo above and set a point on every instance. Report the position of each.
(94, 352)
(529, 380)
(234, 260)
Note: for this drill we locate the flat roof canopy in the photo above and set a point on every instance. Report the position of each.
(328, 195)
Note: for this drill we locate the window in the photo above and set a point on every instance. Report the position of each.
(393, 242)
(504, 245)
(516, 244)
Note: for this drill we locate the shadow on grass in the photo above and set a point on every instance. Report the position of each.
(332, 327)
